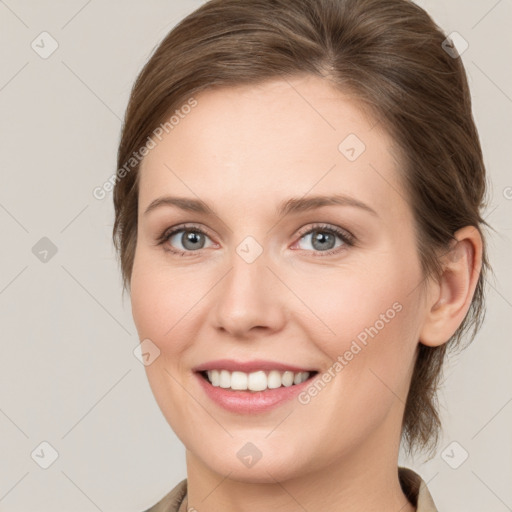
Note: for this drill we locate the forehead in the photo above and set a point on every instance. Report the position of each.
(282, 137)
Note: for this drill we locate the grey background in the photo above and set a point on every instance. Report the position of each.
(68, 375)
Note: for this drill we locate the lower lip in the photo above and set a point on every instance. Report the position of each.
(251, 402)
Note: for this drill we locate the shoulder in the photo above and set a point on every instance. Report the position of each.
(172, 501)
(415, 488)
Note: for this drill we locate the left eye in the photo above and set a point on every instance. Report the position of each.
(323, 239)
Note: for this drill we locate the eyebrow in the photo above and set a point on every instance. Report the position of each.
(287, 207)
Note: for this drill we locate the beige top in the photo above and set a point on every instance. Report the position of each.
(412, 484)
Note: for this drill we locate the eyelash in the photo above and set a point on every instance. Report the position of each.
(347, 238)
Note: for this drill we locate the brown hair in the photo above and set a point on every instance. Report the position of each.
(386, 53)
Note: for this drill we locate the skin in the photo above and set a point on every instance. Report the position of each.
(243, 150)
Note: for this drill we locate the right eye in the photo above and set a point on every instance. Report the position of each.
(191, 238)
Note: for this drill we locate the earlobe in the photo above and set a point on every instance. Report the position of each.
(451, 296)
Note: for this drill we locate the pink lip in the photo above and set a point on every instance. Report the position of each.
(250, 402)
(248, 366)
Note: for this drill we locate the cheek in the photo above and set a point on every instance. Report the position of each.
(151, 308)
(168, 307)
(156, 300)
(159, 309)
(370, 324)
(372, 358)
(347, 303)
(156, 293)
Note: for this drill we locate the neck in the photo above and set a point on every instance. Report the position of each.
(363, 481)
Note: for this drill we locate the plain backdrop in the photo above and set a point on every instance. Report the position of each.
(73, 395)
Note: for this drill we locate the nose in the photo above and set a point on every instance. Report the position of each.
(249, 299)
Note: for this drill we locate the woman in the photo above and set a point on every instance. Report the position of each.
(256, 133)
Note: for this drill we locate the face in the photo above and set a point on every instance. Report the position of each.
(268, 279)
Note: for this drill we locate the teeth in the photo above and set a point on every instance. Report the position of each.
(255, 381)
(239, 380)
(274, 380)
(287, 379)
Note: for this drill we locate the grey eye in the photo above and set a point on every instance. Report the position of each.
(191, 239)
(322, 240)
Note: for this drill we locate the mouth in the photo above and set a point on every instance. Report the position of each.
(254, 386)
(256, 381)
(257, 392)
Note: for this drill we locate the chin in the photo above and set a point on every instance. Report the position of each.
(274, 464)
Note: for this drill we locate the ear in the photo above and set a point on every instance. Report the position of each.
(449, 298)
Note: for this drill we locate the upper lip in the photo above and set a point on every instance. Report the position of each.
(248, 366)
